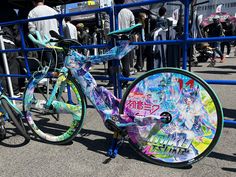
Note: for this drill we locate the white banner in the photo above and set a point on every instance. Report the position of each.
(105, 3)
(218, 8)
(200, 18)
(175, 14)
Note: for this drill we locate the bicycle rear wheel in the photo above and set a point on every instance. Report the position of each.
(60, 124)
(194, 111)
(15, 117)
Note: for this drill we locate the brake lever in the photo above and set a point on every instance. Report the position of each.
(54, 40)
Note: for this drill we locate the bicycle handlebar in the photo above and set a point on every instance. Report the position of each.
(46, 42)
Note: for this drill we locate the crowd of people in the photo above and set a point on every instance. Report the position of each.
(152, 29)
(217, 29)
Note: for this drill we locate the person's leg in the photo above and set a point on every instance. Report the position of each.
(14, 67)
(139, 61)
(150, 58)
(228, 47)
(219, 52)
(212, 45)
(60, 59)
(110, 73)
(3, 83)
(126, 67)
(222, 47)
(48, 59)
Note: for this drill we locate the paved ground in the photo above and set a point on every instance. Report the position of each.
(86, 155)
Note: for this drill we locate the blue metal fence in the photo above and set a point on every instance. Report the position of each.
(185, 42)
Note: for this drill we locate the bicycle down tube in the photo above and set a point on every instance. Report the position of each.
(102, 99)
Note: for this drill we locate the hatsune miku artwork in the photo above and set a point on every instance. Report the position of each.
(184, 101)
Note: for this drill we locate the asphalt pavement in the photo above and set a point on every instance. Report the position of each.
(85, 156)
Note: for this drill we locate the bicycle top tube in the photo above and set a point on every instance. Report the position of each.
(77, 60)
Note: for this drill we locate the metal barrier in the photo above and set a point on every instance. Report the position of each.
(185, 42)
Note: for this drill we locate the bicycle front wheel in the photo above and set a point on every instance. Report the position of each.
(194, 123)
(60, 124)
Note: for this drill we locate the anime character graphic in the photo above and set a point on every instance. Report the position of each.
(192, 126)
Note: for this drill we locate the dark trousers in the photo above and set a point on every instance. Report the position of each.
(126, 65)
(140, 57)
(126, 60)
(14, 68)
(216, 46)
(227, 44)
(150, 57)
(49, 57)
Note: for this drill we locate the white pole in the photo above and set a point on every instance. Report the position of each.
(4, 56)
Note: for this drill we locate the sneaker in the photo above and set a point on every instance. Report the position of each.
(133, 71)
(17, 95)
(227, 56)
(138, 68)
(43, 82)
(222, 60)
(65, 90)
(125, 85)
(212, 63)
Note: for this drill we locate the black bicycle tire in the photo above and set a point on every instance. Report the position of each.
(17, 121)
(80, 125)
(209, 91)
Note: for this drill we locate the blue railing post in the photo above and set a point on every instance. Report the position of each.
(116, 63)
(60, 20)
(186, 33)
(23, 48)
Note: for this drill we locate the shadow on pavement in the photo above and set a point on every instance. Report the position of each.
(216, 72)
(229, 169)
(221, 156)
(101, 146)
(226, 67)
(230, 113)
(13, 139)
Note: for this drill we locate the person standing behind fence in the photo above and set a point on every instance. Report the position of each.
(140, 50)
(216, 30)
(44, 26)
(70, 31)
(162, 21)
(228, 31)
(83, 37)
(125, 20)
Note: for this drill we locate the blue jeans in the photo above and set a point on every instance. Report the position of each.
(216, 46)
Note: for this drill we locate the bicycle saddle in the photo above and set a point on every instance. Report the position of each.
(63, 41)
(126, 31)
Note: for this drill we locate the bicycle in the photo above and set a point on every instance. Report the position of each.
(9, 112)
(170, 116)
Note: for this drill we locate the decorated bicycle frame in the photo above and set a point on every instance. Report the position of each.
(102, 99)
(184, 138)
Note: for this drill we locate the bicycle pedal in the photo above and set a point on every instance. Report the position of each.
(111, 125)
